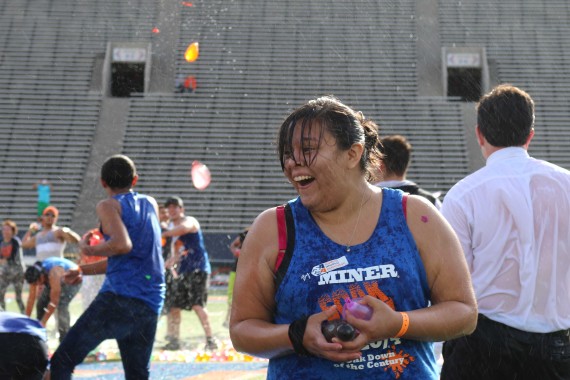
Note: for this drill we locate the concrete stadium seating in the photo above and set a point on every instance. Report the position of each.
(258, 60)
(527, 44)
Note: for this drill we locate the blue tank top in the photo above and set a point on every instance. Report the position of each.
(196, 256)
(321, 273)
(51, 262)
(21, 324)
(140, 273)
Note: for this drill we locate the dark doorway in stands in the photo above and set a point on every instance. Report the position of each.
(464, 83)
(127, 78)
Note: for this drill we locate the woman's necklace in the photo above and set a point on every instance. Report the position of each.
(357, 220)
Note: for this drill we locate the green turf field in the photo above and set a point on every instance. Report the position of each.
(191, 332)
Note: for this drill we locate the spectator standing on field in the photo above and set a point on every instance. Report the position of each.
(50, 240)
(11, 264)
(43, 188)
(191, 263)
(512, 218)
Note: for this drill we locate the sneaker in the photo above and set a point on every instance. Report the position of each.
(173, 345)
(211, 344)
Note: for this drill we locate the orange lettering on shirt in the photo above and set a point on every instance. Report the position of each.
(398, 362)
(356, 291)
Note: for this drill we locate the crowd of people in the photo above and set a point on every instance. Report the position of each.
(128, 252)
(486, 271)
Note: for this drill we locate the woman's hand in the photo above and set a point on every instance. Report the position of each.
(384, 323)
(314, 341)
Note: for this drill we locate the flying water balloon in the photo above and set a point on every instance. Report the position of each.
(201, 176)
(192, 52)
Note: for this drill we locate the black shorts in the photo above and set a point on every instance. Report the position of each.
(190, 289)
(22, 356)
(169, 294)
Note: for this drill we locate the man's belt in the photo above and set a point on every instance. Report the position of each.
(525, 336)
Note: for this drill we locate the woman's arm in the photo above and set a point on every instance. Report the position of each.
(31, 299)
(54, 277)
(251, 327)
(453, 310)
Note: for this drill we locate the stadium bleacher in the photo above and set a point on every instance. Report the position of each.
(48, 110)
(258, 60)
(527, 43)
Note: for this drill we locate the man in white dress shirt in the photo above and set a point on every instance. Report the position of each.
(513, 220)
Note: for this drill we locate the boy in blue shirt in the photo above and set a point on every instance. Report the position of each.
(131, 298)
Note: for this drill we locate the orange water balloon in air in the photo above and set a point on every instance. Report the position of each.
(201, 176)
(192, 52)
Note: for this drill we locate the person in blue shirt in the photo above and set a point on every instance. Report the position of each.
(11, 263)
(56, 295)
(190, 262)
(43, 188)
(24, 350)
(131, 298)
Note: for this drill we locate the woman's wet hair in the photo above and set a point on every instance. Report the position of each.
(34, 272)
(342, 122)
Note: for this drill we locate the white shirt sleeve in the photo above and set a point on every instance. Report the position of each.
(455, 215)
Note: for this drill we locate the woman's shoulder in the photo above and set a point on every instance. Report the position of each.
(263, 234)
(264, 220)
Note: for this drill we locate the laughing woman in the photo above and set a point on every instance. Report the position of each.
(347, 240)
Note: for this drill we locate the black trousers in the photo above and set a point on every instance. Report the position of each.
(497, 351)
(22, 357)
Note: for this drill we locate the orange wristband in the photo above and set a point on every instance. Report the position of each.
(405, 325)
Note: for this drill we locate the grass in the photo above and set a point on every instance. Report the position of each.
(191, 332)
